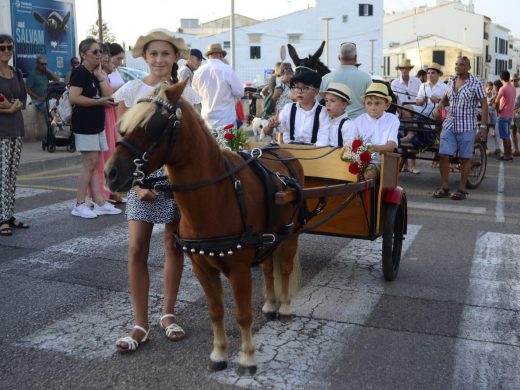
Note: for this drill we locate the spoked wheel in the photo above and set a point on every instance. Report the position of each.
(478, 166)
(393, 240)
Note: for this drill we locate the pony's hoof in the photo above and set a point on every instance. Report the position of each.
(271, 315)
(217, 366)
(246, 370)
(285, 317)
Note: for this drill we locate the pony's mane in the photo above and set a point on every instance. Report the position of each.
(139, 114)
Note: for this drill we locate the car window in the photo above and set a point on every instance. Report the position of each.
(128, 74)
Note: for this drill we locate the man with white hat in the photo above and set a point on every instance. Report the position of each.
(219, 87)
(406, 86)
(432, 91)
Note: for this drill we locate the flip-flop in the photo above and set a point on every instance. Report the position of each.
(14, 223)
(441, 193)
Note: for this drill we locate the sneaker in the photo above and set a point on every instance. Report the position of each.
(106, 209)
(83, 211)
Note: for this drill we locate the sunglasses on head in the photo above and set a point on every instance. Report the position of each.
(6, 47)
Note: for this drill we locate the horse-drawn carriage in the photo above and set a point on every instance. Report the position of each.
(238, 209)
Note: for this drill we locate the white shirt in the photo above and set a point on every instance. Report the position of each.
(347, 130)
(427, 90)
(303, 124)
(406, 92)
(377, 131)
(115, 79)
(218, 86)
(134, 90)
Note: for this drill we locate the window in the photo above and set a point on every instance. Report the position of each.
(366, 9)
(254, 52)
(226, 44)
(255, 38)
(345, 18)
(294, 38)
(438, 56)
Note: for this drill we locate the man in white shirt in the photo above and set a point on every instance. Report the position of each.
(219, 87)
(431, 92)
(406, 87)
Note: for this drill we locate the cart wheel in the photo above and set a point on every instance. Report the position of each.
(392, 240)
(71, 148)
(51, 148)
(44, 144)
(478, 166)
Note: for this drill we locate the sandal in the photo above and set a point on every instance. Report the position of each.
(131, 343)
(441, 193)
(5, 229)
(173, 331)
(14, 223)
(459, 195)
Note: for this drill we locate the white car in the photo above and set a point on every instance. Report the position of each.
(128, 74)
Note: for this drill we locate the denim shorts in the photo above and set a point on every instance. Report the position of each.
(451, 142)
(492, 116)
(91, 142)
(503, 127)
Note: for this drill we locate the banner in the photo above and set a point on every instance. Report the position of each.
(43, 27)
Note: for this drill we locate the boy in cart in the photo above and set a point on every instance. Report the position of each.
(337, 99)
(376, 127)
(305, 121)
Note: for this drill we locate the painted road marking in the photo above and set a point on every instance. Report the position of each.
(28, 192)
(487, 351)
(328, 311)
(500, 194)
(447, 207)
(49, 172)
(50, 188)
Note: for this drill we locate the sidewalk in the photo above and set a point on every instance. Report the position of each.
(34, 158)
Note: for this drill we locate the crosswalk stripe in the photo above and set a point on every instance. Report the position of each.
(447, 207)
(328, 311)
(487, 352)
(28, 192)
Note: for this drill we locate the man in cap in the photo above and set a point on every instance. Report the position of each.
(219, 87)
(187, 71)
(349, 74)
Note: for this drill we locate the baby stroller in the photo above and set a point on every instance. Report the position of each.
(59, 133)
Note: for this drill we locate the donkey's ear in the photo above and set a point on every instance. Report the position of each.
(174, 92)
(293, 54)
(316, 56)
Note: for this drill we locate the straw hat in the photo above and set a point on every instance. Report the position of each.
(160, 35)
(378, 89)
(435, 66)
(405, 64)
(340, 90)
(215, 48)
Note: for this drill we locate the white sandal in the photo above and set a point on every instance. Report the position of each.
(171, 329)
(130, 341)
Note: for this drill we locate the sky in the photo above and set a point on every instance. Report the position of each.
(130, 18)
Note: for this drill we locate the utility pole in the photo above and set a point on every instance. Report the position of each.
(326, 19)
(232, 31)
(372, 55)
(100, 21)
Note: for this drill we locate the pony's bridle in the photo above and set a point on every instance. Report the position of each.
(157, 127)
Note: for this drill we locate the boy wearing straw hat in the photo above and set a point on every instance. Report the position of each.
(377, 127)
(337, 99)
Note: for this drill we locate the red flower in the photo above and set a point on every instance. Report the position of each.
(354, 168)
(356, 144)
(230, 126)
(2, 98)
(229, 136)
(365, 158)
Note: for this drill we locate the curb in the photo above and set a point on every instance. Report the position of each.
(45, 164)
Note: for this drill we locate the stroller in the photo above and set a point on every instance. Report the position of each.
(59, 133)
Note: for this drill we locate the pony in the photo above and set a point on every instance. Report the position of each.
(310, 62)
(228, 218)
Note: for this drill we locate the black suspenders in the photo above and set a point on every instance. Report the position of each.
(315, 126)
(340, 136)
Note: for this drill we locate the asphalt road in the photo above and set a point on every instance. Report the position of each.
(450, 320)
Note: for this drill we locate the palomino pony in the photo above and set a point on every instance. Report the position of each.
(228, 216)
(311, 62)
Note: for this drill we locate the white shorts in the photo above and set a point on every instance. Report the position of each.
(91, 142)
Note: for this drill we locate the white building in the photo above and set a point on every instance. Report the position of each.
(471, 34)
(257, 46)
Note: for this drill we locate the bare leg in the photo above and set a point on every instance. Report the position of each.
(444, 168)
(89, 166)
(139, 234)
(507, 147)
(514, 137)
(173, 267)
(465, 167)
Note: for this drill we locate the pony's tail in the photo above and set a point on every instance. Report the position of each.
(294, 279)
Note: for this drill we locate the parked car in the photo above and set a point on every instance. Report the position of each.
(131, 73)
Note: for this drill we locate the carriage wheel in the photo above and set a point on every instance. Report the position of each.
(478, 166)
(392, 240)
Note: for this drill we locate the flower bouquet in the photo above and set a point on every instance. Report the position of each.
(358, 156)
(235, 138)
